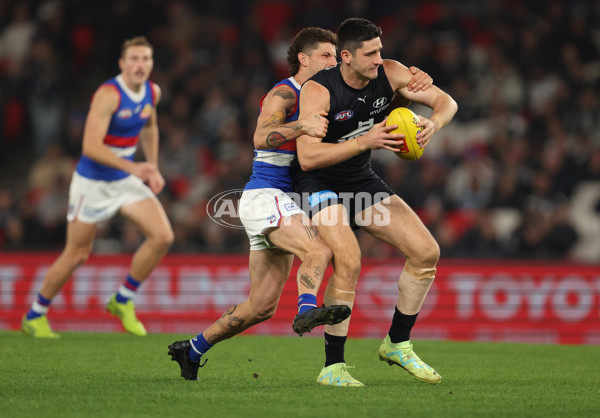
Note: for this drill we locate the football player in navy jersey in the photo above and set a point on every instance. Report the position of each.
(344, 192)
(277, 228)
(107, 181)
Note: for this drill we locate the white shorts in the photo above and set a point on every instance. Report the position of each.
(263, 209)
(94, 201)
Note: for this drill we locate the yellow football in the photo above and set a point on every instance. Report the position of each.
(407, 125)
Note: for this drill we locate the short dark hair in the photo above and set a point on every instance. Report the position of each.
(136, 41)
(305, 41)
(354, 31)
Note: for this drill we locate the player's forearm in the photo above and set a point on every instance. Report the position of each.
(275, 135)
(443, 111)
(101, 154)
(149, 143)
(322, 154)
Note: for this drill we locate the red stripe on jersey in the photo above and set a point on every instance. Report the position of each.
(288, 146)
(153, 93)
(260, 102)
(295, 106)
(121, 141)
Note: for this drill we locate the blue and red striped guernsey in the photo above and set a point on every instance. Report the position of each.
(131, 115)
(271, 168)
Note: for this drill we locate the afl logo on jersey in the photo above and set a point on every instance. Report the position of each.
(343, 115)
(146, 111)
(125, 113)
(379, 102)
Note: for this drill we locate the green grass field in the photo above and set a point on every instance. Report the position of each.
(115, 375)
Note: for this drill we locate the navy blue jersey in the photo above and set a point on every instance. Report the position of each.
(352, 113)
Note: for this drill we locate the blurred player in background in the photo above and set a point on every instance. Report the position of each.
(107, 180)
(356, 96)
(277, 228)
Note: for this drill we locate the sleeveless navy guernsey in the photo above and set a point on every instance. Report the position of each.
(352, 113)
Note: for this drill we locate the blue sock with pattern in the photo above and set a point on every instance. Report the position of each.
(39, 307)
(199, 347)
(127, 289)
(306, 301)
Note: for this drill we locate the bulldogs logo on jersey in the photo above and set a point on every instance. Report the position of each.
(146, 111)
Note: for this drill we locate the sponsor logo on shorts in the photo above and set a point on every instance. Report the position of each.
(290, 206)
(93, 212)
(316, 198)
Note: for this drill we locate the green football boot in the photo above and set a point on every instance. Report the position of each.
(37, 327)
(337, 375)
(126, 313)
(402, 354)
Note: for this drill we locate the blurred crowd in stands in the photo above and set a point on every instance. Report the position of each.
(515, 175)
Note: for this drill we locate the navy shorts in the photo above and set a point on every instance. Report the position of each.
(355, 194)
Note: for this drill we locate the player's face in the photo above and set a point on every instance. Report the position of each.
(136, 64)
(367, 59)
(321, 58)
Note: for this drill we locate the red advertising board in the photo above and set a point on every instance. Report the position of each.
(470, 300)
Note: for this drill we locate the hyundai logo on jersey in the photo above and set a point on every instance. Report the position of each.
(379, 102)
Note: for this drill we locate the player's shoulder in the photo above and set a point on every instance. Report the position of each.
(281, 96)
(314, 85)
(393, 64)
(314, 95)
(326, 75)
(106, 99)
(107, 92)
(282, 91)
(282, 86)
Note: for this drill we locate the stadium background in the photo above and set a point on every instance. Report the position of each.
(515, 177)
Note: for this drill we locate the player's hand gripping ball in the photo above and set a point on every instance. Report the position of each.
(407, 125)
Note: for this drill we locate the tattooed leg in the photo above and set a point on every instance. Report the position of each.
(229, 324)
(269, 271)
(312, 269)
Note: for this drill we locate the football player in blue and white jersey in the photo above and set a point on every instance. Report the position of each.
(107, 181)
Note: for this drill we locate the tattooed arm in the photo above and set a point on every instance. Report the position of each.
(271, 129)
